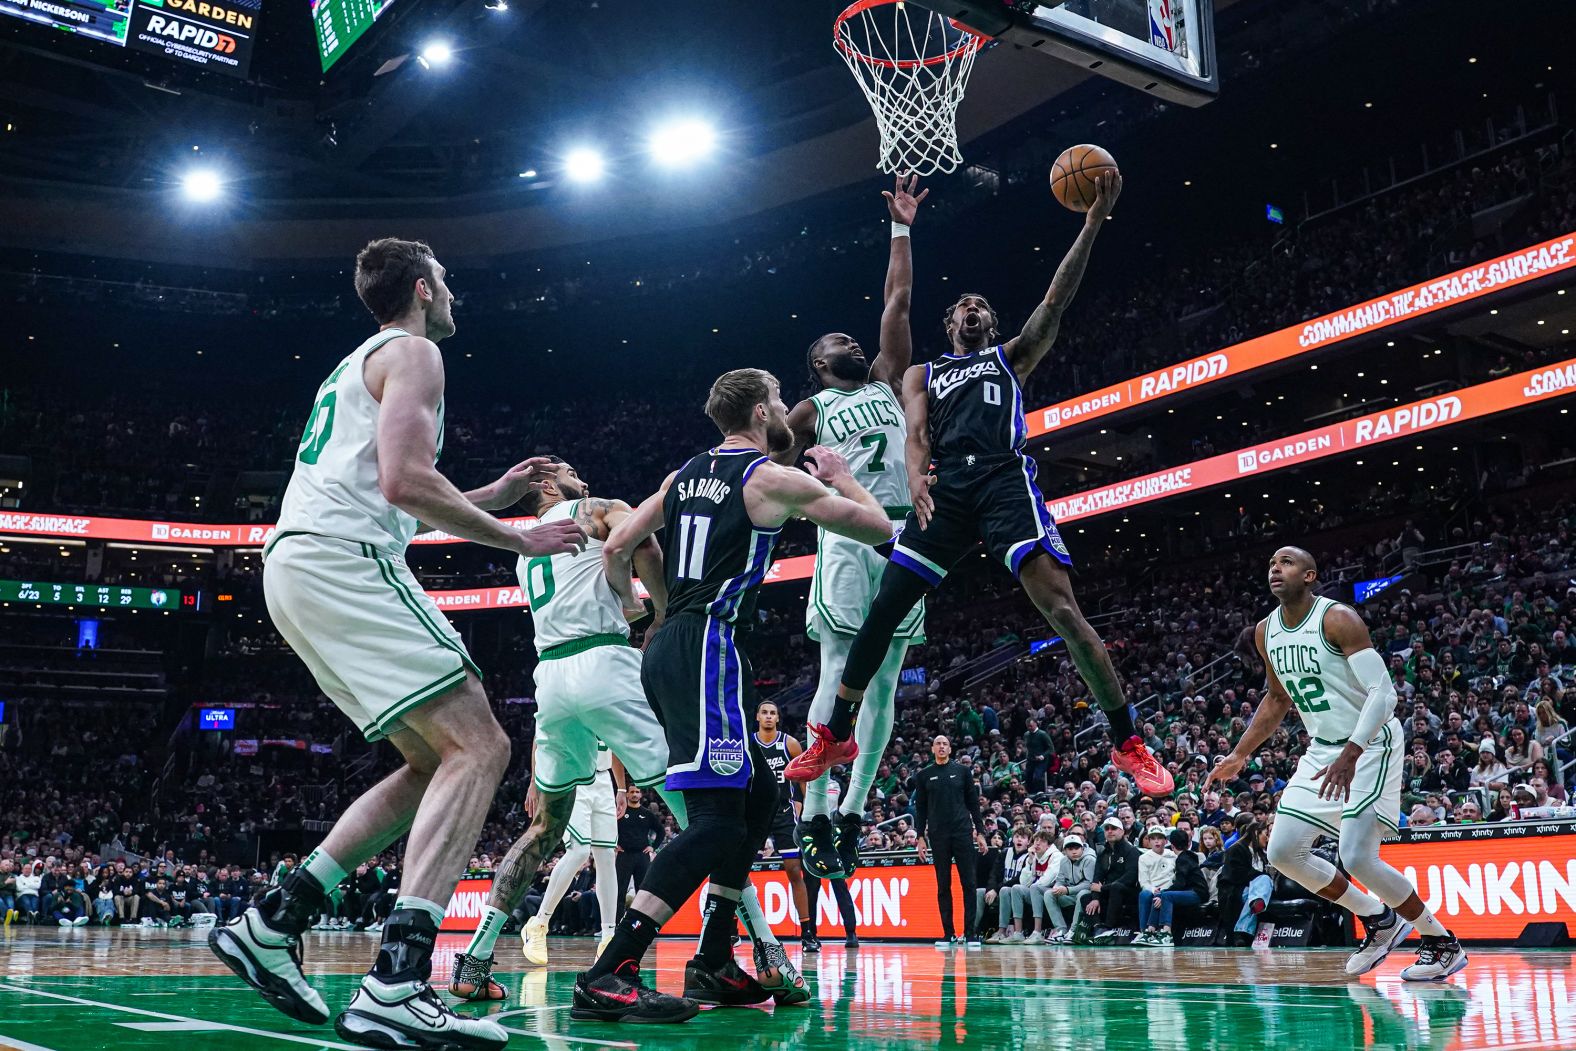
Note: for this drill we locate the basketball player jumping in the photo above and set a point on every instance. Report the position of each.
(588, 692)
(965, 412)
(338, 590)
(722, 511)
(1319, 657)
(779, 748)
(856, 413)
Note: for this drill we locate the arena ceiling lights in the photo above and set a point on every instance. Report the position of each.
(680, 143)
(202, 185)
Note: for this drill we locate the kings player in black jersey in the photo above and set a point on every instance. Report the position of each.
(778, 748)
(722, 511)
(971, 481)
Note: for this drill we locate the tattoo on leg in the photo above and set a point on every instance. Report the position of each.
(519, 866)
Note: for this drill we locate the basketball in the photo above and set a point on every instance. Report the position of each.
(1074, 173)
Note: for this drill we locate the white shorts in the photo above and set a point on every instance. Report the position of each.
(377, 645)
(847, 577)
(1376, 785)
(591, 823)
(589, 696)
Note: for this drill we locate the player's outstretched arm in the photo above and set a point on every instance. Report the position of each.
(1029, 347)
(916, 415)
(777, 494)
(1343, 627)
(618, 553)
(897, 339)
(802, 419)
(406, 376)
(1271, 713)
(599, 517)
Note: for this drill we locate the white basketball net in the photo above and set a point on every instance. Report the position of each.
(912, 65)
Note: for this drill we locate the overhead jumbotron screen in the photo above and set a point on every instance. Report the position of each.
(207, 35)
(340, 23)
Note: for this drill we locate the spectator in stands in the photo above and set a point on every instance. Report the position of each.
(8, 911)
(1010, 895)
(1448, 773)
(1114, 891)
(1521, 751)
(156, 903)
(29, 890)
(1156, 871)
(1069, 886)
(1246, 882)
(1489, 772)
(101, 892)
(1036, 878)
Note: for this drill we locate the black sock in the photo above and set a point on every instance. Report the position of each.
(717, 930)
(1121, 724)
(406, 952)
(631, 938)
(844, 712)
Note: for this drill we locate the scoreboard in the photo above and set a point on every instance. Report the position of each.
(340, 23)
(108, 596)
(213, 35)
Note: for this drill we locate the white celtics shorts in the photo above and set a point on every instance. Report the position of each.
(1376, 785)
(594, 694)
(847, 576)
(377, 645)
(591, 823)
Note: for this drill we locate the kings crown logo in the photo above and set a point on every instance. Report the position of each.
(725, 755)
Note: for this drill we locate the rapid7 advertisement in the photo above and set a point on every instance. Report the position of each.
(204, 33)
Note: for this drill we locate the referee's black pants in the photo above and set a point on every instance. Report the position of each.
(955, 847)
(629, 864)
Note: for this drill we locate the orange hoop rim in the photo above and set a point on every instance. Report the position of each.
(973, 39)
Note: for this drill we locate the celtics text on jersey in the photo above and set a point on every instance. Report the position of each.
(866, 427)
(1314, 673)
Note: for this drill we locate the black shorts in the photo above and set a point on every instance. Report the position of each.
(701, 684)
(994, 500)
(784, 836)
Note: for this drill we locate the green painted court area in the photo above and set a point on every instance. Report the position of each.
(876, 997)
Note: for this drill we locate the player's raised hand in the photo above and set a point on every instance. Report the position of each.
(825, 465)
(523, 477)
(901, 201)
(1107, 188)
(553, 538)
(1225, 770)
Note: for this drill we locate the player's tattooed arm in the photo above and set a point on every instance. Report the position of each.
(802, 419)
(1029, 347)
(618, 553)
(897, 340)
(593, 515)
(520, 865)
(1272, 711)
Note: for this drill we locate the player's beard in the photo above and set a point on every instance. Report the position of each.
(848, 368)
(778, 436)
(572, 490)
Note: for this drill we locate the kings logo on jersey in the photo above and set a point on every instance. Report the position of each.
(946, 382)
(725, 755)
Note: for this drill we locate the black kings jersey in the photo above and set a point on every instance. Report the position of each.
(976, 408)
(715, 556)
(777, 757)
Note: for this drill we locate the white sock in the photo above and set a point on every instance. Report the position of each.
(1359, 902)
(754, 919)
(431, 908)
(487, 933)
(1429, 925)
(323, 868)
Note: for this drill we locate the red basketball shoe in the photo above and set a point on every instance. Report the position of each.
(824, 753)
(1136, 760)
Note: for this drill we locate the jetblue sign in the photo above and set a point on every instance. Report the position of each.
(1364, 590)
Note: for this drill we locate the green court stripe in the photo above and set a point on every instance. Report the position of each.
(1310, 819)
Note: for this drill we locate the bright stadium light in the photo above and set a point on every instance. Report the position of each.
(584, 165)
(436, 53)
(202, 184)
(682, 142)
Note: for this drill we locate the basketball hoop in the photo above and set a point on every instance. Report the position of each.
(912, 64)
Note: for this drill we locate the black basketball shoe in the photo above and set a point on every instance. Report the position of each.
(615, 998)
(818, 850)
(725, 986)
(845, 837)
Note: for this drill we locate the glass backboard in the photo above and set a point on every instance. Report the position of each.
(1164, 47)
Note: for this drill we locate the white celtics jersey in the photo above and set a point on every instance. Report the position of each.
(1315, 674)
(334, 490)
(867, 427)
(569, 594)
